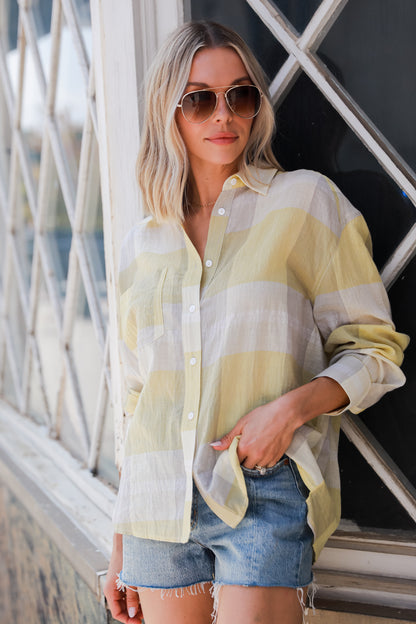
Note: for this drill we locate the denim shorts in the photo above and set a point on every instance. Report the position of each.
(271, 546)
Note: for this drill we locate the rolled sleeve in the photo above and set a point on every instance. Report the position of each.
(352, 312)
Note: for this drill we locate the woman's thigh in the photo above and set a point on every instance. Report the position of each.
(263, 605)
(169, 608)
(245, 605)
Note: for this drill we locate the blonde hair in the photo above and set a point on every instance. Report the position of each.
(162, 167)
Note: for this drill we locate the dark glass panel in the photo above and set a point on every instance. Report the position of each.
(366, 501)
(11, 11)
(312, 135)
(84, 12)
(241, 17)
(298, 13)
(42, 11)
(393, 419)
(373, 45)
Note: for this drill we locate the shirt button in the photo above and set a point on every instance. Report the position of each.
(192, 308)
(192, 361)
(221, 211)
(190, 415)
(233, 181)
(208, 263)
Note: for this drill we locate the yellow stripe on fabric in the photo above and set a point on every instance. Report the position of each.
(323, 514)
(351, 263)
(254, 377)
(157, 530)
(279, 248)
(380, 339)
(131, 401)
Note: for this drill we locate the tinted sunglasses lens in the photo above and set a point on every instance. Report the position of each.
(244, 101)
(199, 105)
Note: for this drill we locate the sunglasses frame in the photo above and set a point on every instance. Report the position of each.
(217, 93)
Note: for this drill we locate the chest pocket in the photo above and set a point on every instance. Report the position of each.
(147, 302)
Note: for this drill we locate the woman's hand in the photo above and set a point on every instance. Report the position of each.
(265, 435)
(124, 605)
(267, 431)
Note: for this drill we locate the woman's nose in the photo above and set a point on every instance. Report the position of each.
(223, 110)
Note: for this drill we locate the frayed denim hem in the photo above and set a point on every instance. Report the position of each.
(178, 592)
(306, 595)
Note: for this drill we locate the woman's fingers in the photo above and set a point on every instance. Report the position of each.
(133, 605)
(116, 601)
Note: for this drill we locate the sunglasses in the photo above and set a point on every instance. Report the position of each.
(242, 100)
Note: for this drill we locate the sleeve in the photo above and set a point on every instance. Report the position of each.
(131, 380)
(352, 312)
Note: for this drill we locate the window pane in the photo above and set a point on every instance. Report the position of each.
(312, 135)
(5, 143)
(24, 229)
(299, 13)
(9, 12)
(42, 13)
(47, 337)
(58, 232)
(84, 15)
(32, 118)
(8, 389)
(392, 420)
(372, 45)
(38, 405)
(71, 104)
(241, 17)
(106, 464)
(366, 502)
(93, 227)
(16, 322)
(87, 356)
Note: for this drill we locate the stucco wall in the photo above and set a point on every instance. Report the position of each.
(38, 583)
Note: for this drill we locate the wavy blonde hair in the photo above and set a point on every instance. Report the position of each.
(162, 167)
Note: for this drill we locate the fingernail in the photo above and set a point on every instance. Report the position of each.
(132, 612)
(217, 443)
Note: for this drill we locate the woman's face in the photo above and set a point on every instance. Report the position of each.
(222, 138)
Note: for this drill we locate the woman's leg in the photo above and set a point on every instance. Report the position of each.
(262, 605)
(190, 608)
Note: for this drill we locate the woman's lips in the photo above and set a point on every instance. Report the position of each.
(222, 138)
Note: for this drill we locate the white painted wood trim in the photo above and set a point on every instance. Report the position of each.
(135, 37)
(401, 256)
(118, 131)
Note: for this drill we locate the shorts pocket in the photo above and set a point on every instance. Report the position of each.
(254, 473)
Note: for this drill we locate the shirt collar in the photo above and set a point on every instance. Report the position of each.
(258, 180)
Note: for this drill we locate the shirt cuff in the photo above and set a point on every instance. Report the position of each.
(354, 378)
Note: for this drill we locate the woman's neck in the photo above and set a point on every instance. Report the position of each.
(205, 184)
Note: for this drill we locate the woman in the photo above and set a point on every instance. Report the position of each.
(252, 316)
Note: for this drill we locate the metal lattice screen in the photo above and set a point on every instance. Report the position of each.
(53, 336)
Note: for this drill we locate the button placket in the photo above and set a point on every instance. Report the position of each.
(216, 234)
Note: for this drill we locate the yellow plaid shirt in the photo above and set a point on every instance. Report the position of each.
(287, 291)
